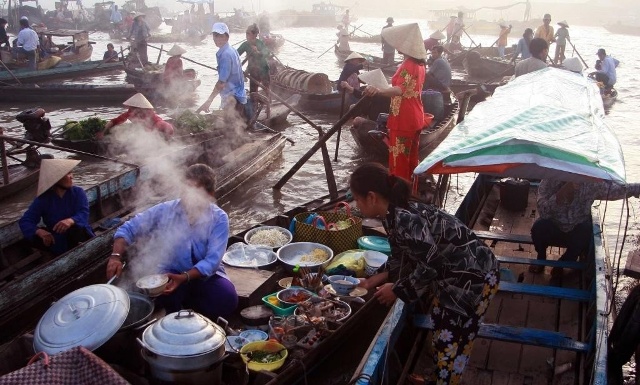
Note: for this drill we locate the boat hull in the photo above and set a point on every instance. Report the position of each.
(478, 67)
(85, 93)
(61, 71)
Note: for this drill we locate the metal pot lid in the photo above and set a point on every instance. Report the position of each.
(376, 243)
(184, 333)
(87, 317)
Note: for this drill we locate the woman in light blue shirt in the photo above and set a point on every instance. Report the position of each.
(186, 239)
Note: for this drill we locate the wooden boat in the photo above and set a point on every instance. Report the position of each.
(76, 47)
(609, 98)
(151, 84)
(86, 93)
(273, 41)
(478, 67)
(63, 70)
(322, 15)
(373, 62)
(373, 142)
(21, 175)
(623, 29)
(456, 59)
(366, 39)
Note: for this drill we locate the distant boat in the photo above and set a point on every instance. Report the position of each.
(623, 29)
(62, 70)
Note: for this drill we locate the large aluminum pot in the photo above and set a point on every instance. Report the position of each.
(183, 341)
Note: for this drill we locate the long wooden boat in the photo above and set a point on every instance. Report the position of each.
(60, 72)
(366, 39)
(478, 67)
(88, 93)
(273, 41)
(373, 142)
(150, 83)
(540, 328)
(456, 59)
(252, 285)
(19, 178)
(623, 29)
(75, 47)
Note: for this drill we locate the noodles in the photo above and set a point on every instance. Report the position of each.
(317, 255)
(269, 237)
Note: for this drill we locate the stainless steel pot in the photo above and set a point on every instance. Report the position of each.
(183, 341)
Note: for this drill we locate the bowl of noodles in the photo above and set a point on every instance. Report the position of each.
(270, 236)
(310, 255)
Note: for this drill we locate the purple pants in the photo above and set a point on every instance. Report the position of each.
(212, 297)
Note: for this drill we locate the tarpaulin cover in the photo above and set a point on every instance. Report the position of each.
(546, 124)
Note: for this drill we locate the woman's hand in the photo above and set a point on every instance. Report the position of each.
(64, 225)
(370, 91)
(47, 237)
(346, 86)
(175, 280)
(114, 266)
(385, 294)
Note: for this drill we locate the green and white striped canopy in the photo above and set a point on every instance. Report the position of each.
(546, 124)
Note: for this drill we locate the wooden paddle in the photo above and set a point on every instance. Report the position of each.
(301, 46)
(11, 73)
(344, 94)
(322, 54)
(578, 53)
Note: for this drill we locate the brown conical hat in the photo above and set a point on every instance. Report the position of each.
(354, 55)
(138, 100)
(52, 170)
(176, 50)
(407, 39)
(375, 78)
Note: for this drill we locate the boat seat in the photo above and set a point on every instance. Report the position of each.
(541, 262)
(527, 336)
(547, 291)
(504, 237)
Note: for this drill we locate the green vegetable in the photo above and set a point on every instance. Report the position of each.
(192, 122)
(264, 357)
(84, 129)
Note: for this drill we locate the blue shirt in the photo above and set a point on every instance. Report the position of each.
(609, 68)
(177, 245)
(441, 70)
(51, 209)
(230, 73)
(523, 48)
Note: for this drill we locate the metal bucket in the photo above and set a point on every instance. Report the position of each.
(210, 375)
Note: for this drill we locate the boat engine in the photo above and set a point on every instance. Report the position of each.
(38, 129)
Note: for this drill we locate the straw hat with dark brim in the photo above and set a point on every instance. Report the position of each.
(176, 50)
(354, 55)
(563, 23)
(407, 39)
(437, 35)
(375, 78)
(139, 101)
(52, 170)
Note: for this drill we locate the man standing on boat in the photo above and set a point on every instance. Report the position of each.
(539, 51)
(545, 31)
(523, 46)
(230, 84)
(388, 52)
(502, 38)
(458, 29)
(61, 206)
(140, 32)
(561, 36)
(27, 43)
(565, 216)
(450, 28)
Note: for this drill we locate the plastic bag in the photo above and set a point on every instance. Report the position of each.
(350, 262)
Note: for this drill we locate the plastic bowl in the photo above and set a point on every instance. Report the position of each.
(153, 285)
(292, 253)
(373, 260)
(285, 295)
(253, 335)
(267, 346)
(343, 284)
(252, 232)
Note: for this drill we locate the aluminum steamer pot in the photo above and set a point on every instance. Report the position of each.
(183, 341)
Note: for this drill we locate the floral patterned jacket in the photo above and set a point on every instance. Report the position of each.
(433, 250)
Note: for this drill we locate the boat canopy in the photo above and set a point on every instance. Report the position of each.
(546, 124)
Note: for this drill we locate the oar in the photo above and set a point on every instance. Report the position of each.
(322, 54)
(578, 53)
(358, 29)
(11, 72)
(500, 37)
(469, 36)
(301, 46)
(344, 94)
(240, 42)
(51, 146)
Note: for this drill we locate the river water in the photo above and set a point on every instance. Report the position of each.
(256, 200)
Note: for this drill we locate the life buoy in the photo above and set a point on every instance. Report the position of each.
(624, 336)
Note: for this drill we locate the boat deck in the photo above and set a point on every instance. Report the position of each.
(526, 305)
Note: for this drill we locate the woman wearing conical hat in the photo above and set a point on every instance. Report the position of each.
(173, 69)
(61, 206)
(406, 114)
(561, 36)
(141, 112)
(349, 75)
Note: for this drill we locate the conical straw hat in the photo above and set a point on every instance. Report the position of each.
(407, 39)
(437, 35)
(138, 100)
(375, 78)
(176, 50)
(52, 170)
(573, 64)
(354, 55)
(563, 23)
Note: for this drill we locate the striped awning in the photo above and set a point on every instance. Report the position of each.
(546, 124)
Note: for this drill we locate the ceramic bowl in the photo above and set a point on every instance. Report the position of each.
(253, 335)
(343, 284)
(153, 285)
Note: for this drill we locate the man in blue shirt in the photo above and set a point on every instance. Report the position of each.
(439, 73)
(230, 85)
(62, 207)
(607, 72)
(186, 239)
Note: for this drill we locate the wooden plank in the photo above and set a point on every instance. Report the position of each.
(531, 336)
(569, 323)
(505, 356)
(547, 291)
(516, 379)
(503, 237)
(500, 378)
(543, 316)
(247, 281)
(537, 262)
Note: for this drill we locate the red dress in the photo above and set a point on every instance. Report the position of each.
(406, 119)
(148, 118)
(173, 70)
